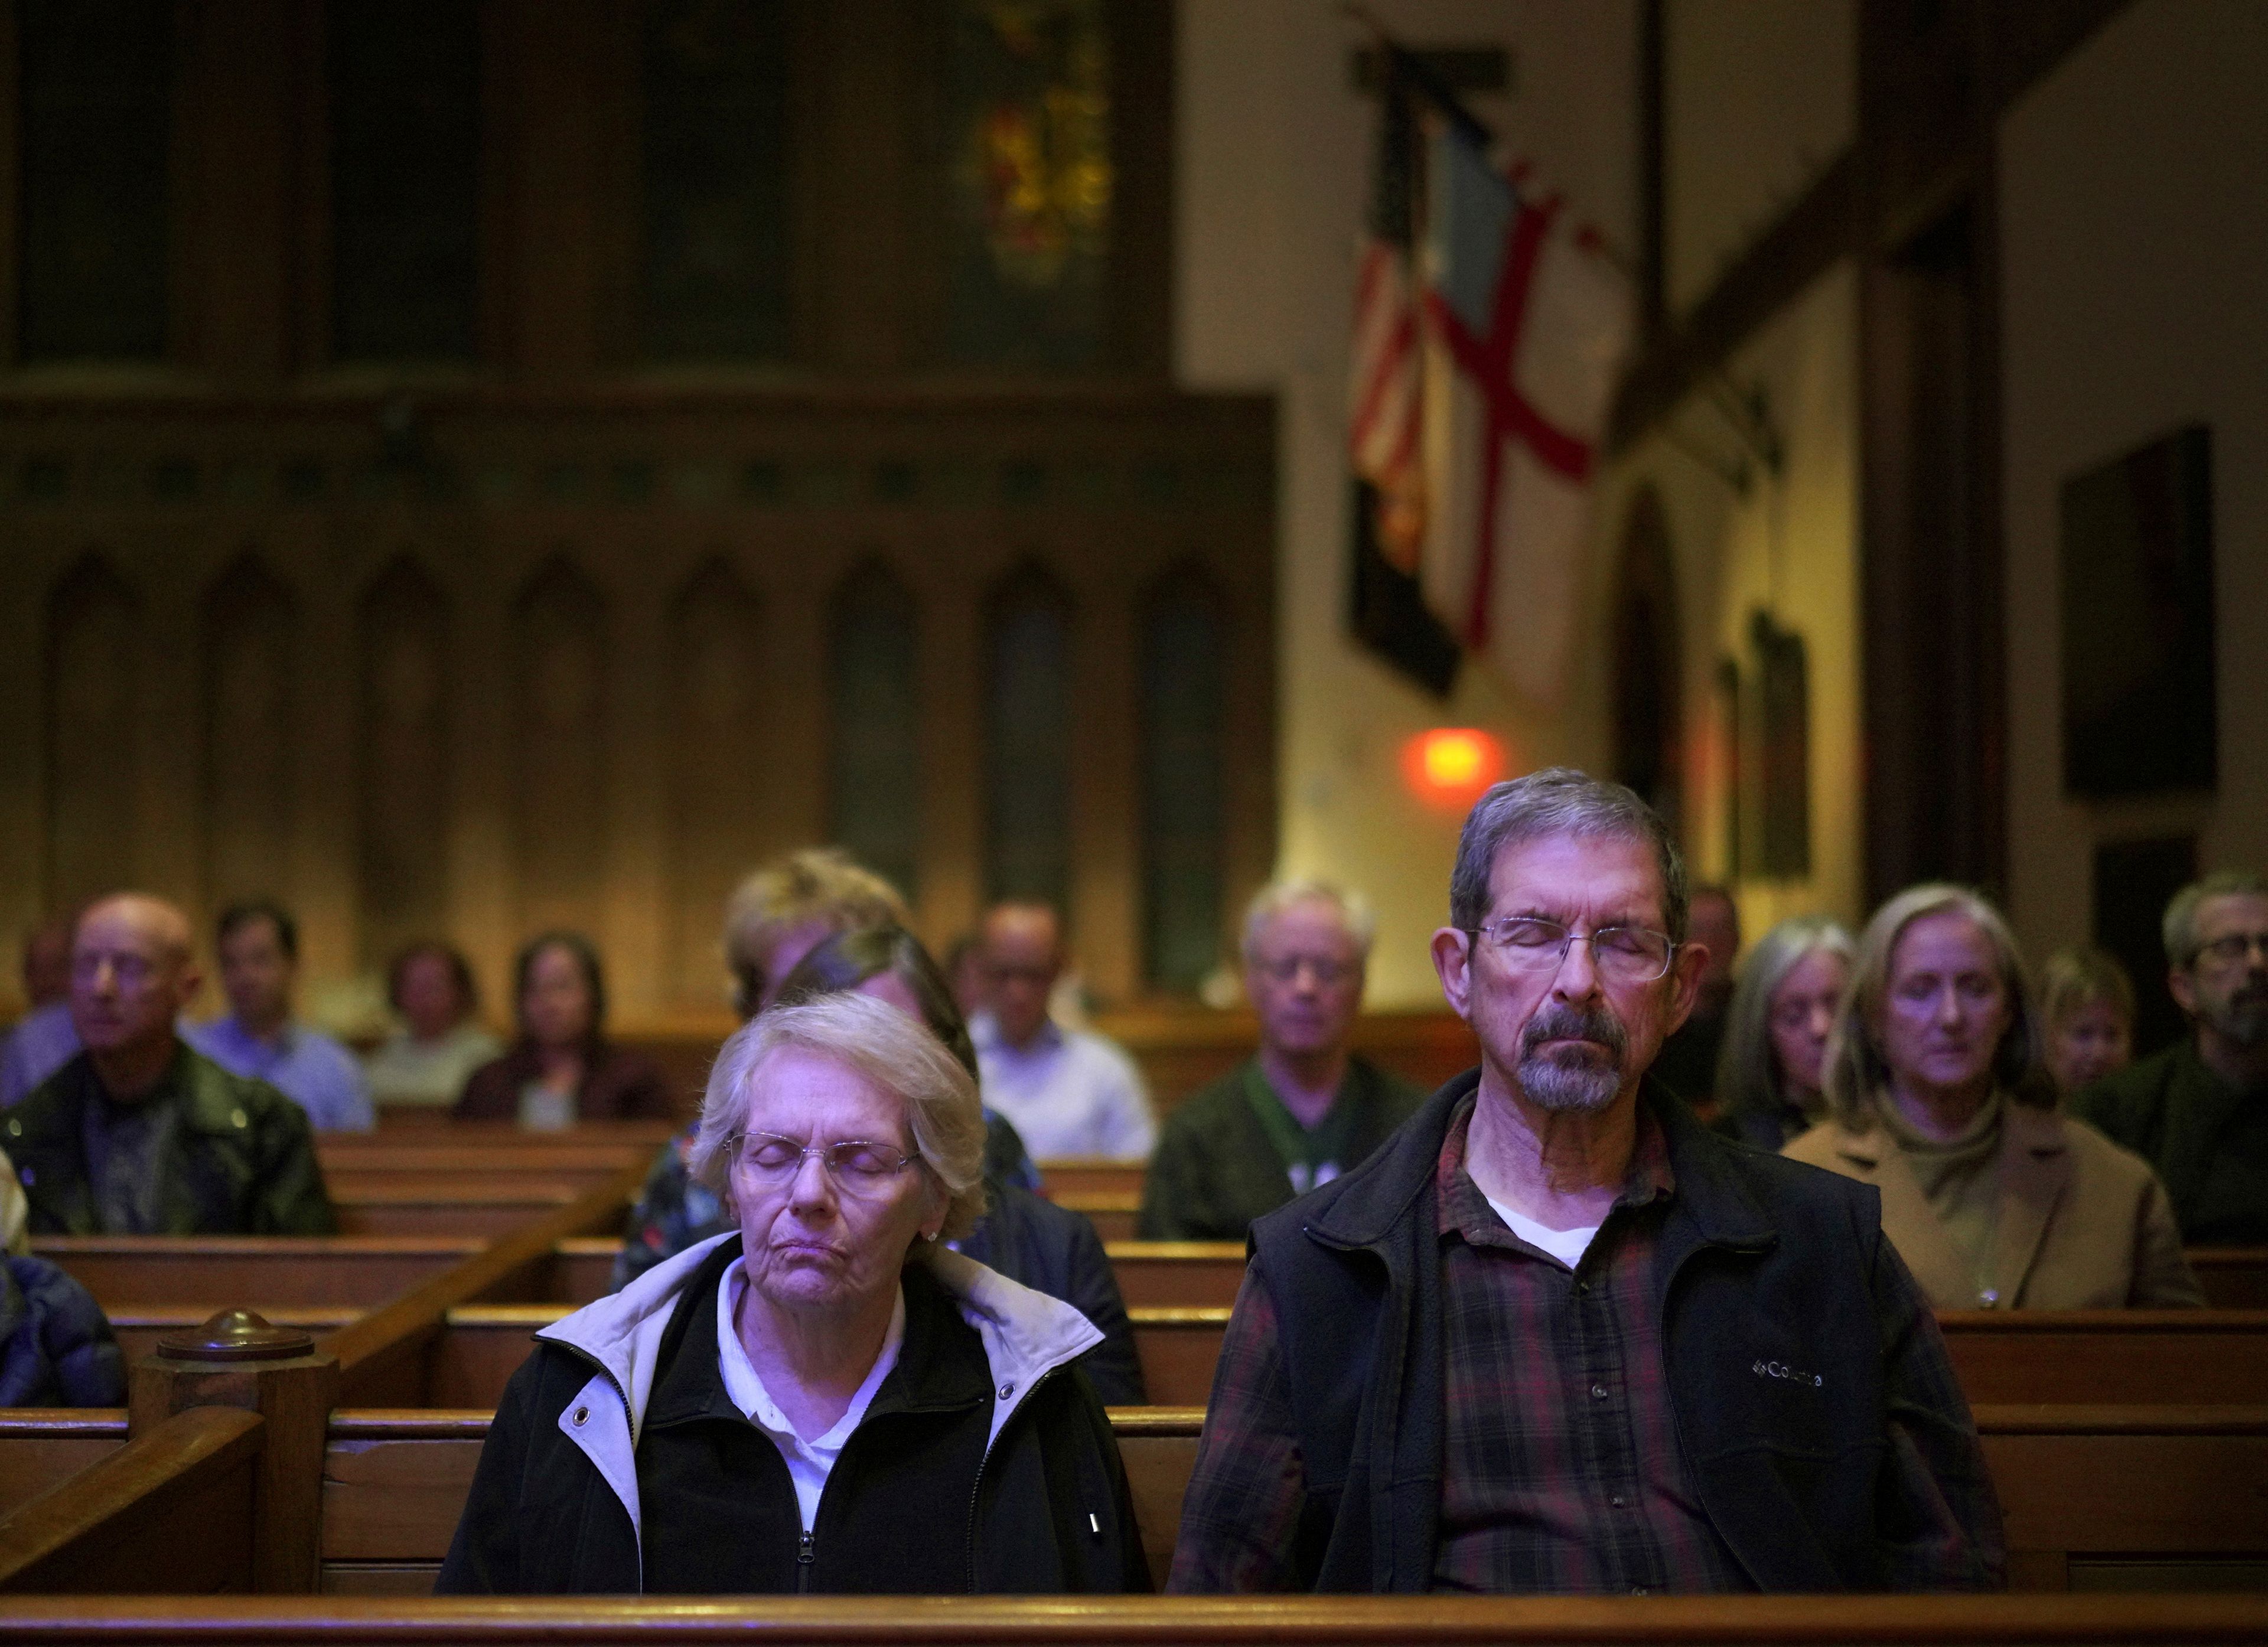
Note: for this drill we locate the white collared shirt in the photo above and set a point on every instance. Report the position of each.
(1068, 1094)
(809, 1463)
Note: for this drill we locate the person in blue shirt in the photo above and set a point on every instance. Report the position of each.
(259, 946)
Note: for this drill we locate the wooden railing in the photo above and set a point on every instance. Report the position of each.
(2185, 1621)
(169, 1511)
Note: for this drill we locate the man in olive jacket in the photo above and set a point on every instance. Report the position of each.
(140, 1135)
(1302, 1109)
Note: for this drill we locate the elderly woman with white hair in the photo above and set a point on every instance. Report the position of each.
(824, 1399)
(1771, 1071)
(1994, 1198)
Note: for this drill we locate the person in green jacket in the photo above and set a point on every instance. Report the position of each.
(1302, 1109)
(2198, 1111)
(139, 1134)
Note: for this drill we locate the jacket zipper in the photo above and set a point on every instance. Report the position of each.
(976, 1488)
(803, 1559)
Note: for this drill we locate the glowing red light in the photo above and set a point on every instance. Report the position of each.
(1452, 766)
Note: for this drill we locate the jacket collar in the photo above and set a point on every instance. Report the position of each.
(1025, 1335)
(2033, 1169)
(1365, 1205)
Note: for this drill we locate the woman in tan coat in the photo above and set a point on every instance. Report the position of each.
(1937, 1098)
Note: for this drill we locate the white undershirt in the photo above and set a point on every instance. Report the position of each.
(1567, 1245)
(809, 1463)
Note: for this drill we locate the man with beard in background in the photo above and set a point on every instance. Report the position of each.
(2198, 1111)
(1556, 1336)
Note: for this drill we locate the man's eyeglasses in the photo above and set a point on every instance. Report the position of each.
(1621, 954)
(858, 1166)
(2235, 948)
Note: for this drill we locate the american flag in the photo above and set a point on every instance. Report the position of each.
(1385, 420)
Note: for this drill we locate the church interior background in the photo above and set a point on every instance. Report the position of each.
(467, 468)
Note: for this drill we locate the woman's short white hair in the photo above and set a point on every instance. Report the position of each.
(879, 1042)
(1279, 895)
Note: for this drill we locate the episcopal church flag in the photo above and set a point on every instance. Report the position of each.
(1524, 327)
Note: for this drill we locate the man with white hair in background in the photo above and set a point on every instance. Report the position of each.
(1302, 1109)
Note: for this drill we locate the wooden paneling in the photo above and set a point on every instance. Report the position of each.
(560, 647)
(404, 771)
(716, 763)
(249, 625)
(94, 648)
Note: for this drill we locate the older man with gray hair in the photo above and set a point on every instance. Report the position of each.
(1302, 1109)
(2198, 1111)
(1554, 1335)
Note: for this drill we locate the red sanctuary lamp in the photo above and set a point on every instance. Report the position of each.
(1452, 767)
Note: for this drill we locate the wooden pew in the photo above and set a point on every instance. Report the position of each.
(385, 1357)
(168, 1513)
(2158, 1357)
(1090, 1177)
(255, 1270)
(1113, 1212)
(2102, 1497)
(484, 1211)
(1180, 1275)
(583, 1268)
(2034, 1621)
(2233, 1278)
(41, 1446)
(140, 1327)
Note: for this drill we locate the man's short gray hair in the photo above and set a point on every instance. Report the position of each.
(879, 1042)
(1558, 801)
(1278, 895)
(2180, 928)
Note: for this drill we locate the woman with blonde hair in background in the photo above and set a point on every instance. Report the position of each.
(1994, 1198)
(2087, 1009)
(1772, 1070)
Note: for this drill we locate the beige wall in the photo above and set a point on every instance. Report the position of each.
(1759, 97)
(1272, 164)
(2134, 298)
(1789, 546)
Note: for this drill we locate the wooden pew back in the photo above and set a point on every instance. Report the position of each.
(2110, 1357)
(256, 1271)
(167, 1513)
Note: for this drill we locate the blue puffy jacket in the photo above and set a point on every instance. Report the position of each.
(56, 1345)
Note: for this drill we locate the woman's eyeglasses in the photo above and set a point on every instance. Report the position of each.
(857, 1165)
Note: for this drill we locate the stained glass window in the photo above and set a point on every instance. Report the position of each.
(405, 205)
(874, 753)
(1183, 702)
(716, 141)
(1028, 151)
(1027, 743)
(96, 88)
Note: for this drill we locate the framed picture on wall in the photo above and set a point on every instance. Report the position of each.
(2138, 715)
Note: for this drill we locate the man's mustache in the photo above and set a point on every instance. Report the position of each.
(1568, 1022)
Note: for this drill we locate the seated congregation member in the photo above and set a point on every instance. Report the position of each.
(141, 1135)
(2198, 1111)
(1556, 1335)
(1021, 1236)
(258, 944)
(1772, 1072)
(1068, 1092)
(43, 1040)
(1692, 1055)
(563, 1069)
(57, 1349)
(825, 1399)
(2086, 1017)
(1995, 1199)
(440, 1043)
(774, 918)
(1302, 1109)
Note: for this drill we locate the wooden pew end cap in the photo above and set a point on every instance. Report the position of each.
(237, 1335)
